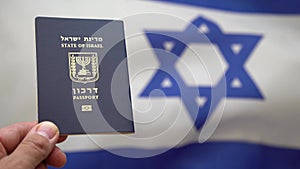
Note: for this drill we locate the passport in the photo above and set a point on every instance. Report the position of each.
(82, 75)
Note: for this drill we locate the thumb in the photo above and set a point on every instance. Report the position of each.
(36, 146)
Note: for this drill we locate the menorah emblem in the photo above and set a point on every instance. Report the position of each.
(83, 67)
(83, 61)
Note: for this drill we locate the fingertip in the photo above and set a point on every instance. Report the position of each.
(48, 130)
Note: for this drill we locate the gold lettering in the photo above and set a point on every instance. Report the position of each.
(85, 93)
(96, 90)
(68, 45)
(98, 45)
(90, 39)
(69, 38)
(83, 90)
(86, 97)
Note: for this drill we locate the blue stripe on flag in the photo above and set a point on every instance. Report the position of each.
(265, 6)
(210, 155)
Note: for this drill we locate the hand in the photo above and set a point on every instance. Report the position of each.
(30, 146)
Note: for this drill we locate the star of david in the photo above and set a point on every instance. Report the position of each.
(235, 48)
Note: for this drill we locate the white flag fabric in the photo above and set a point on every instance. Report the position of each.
(214, 84)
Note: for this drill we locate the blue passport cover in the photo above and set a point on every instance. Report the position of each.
(82, 74)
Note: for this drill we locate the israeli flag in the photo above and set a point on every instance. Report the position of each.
(214, 83)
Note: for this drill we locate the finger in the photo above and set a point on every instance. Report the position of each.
(11, 136)
(57, 158)
(3, 152)
(62, 138)
(35, 147)
(42, 166)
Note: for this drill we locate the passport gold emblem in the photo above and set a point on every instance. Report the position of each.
(83, 67)
(86, 108)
